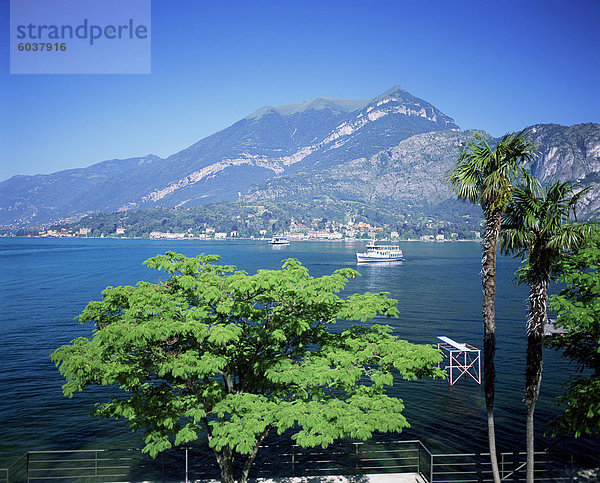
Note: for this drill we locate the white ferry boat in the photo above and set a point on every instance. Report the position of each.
(380, 253)
(279, 240)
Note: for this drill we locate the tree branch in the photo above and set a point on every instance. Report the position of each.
(252, 456)
(228, 380)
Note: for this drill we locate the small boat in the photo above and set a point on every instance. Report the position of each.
(279, 240)
(380, 253)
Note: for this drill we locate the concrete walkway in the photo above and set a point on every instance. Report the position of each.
(385, 478)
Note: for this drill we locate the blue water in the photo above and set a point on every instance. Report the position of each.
(46, 283)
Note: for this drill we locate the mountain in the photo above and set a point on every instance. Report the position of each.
(391, 150)
(565, 152)
(309, 136)
(400, 189)
(570, 154)
(413, 170)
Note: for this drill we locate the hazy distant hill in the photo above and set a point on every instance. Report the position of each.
(74, 192)
(393, 148)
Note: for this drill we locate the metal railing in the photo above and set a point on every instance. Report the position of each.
(347, 459)
(476, 467)
(76, 465)
(196, 463)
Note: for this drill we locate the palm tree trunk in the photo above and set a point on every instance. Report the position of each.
(538, 317)
(488, 281)
(538, 298)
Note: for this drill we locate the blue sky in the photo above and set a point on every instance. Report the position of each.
(490, 64)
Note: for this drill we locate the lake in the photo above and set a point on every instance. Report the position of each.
(48, 282)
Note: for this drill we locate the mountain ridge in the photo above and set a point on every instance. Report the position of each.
(225, 164)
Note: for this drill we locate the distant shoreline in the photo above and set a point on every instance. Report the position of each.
(346, 240)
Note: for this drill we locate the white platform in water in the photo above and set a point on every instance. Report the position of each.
(456, 345)
(550, 329)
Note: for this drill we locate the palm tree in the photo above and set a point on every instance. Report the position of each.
(537, 225)
(485, 176)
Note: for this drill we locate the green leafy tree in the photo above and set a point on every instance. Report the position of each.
(214, 351)
(537, 226)
(484, 175)
(578, 312)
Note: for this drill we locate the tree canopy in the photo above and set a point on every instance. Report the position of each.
(214, 351)
(578, 312)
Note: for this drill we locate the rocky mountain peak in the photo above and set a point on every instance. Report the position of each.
(394, 92)
(316, 104)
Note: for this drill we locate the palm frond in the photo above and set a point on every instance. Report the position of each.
(515, 241)
(539, 221)
(486, 175)
(570, 237)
